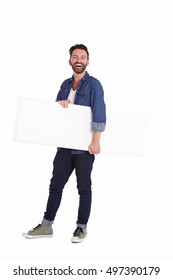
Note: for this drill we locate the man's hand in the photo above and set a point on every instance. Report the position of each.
(64, 103)
(94, 147)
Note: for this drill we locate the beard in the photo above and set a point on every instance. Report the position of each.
(79, 69)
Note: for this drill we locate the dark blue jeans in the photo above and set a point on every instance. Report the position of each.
(63, 165)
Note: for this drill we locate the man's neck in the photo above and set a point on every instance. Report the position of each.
(78, 77)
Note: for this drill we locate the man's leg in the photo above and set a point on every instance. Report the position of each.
(83, 166)
(62, 169)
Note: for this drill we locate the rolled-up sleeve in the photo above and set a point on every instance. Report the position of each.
(98, 126)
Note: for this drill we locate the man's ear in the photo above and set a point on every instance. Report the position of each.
(69, 62)
(88, 62)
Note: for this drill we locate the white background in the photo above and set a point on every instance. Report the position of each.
(130, 44)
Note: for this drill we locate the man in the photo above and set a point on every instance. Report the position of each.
(81, 89)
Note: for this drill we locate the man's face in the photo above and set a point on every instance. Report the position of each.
(79, 61)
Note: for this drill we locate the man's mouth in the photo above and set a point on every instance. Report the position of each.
(78, 65)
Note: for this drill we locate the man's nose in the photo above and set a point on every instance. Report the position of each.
(78, 59)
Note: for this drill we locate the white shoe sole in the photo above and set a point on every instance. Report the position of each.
(26, 235)
(77, 240)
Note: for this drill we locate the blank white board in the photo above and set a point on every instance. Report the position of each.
(47, 123)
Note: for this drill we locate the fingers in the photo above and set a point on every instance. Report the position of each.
(90, 150)
(94, 150)
(64, 103)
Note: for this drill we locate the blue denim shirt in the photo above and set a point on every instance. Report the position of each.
(88, 93)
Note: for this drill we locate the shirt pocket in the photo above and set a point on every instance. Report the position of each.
(83, 98)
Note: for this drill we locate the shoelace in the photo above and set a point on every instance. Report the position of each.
(78, 231)
(34, 229)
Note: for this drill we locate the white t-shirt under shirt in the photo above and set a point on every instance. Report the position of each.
(71, 95)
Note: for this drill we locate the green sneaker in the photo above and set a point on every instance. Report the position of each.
(78, 235)
(39, 231)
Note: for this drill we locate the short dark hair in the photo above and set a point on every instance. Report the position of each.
(79, 46)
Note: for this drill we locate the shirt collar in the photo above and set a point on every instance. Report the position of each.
(84, 77)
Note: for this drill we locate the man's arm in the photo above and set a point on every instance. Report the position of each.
(94, 147)
(98, 123)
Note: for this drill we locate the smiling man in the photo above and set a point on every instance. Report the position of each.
(80, 89)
